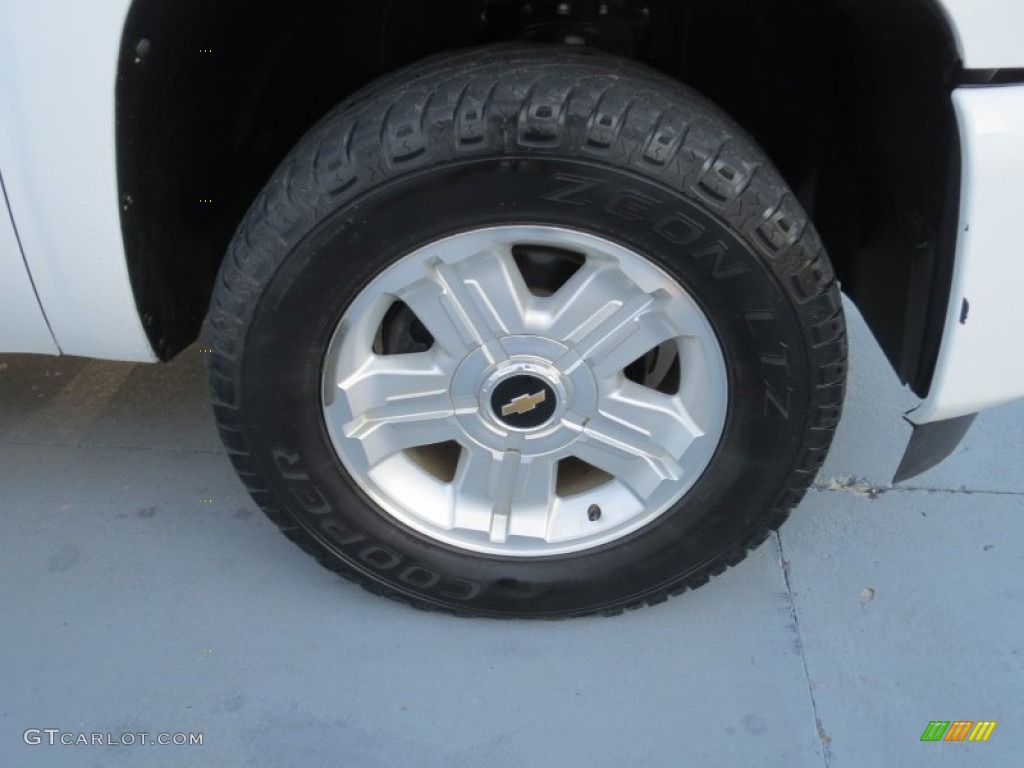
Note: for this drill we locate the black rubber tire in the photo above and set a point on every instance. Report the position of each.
(528, 135)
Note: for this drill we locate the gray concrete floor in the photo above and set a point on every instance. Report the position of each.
(130, 604)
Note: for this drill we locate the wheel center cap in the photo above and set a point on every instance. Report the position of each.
(523, 393)
(524, 401)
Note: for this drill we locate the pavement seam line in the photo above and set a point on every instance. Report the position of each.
(823, 738)
(867, 489)
(116, 447)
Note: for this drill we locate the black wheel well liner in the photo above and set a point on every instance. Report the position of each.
(850, 99)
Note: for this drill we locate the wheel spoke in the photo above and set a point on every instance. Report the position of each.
(593, 293)
(634, 328)
(630, 452)
(504, 496)
(395, 402)
(611, 322)
(533, 497)
(494, 284)
(663, 417)
(471, 490)
(468, 304)
(504, 493)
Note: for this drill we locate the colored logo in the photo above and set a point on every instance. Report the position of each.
(524, 403)
(958, 730)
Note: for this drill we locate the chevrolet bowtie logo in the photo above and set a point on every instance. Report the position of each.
(523, 403)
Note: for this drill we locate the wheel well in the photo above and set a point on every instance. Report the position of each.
(850, 99)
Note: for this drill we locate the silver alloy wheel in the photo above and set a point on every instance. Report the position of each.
(525, 428)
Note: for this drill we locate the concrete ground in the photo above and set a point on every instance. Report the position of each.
(141, 590)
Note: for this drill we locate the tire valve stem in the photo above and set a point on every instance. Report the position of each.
(594, 513)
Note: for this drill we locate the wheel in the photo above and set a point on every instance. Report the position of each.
(527, 331)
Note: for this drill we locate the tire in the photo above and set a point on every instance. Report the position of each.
(571, 157)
